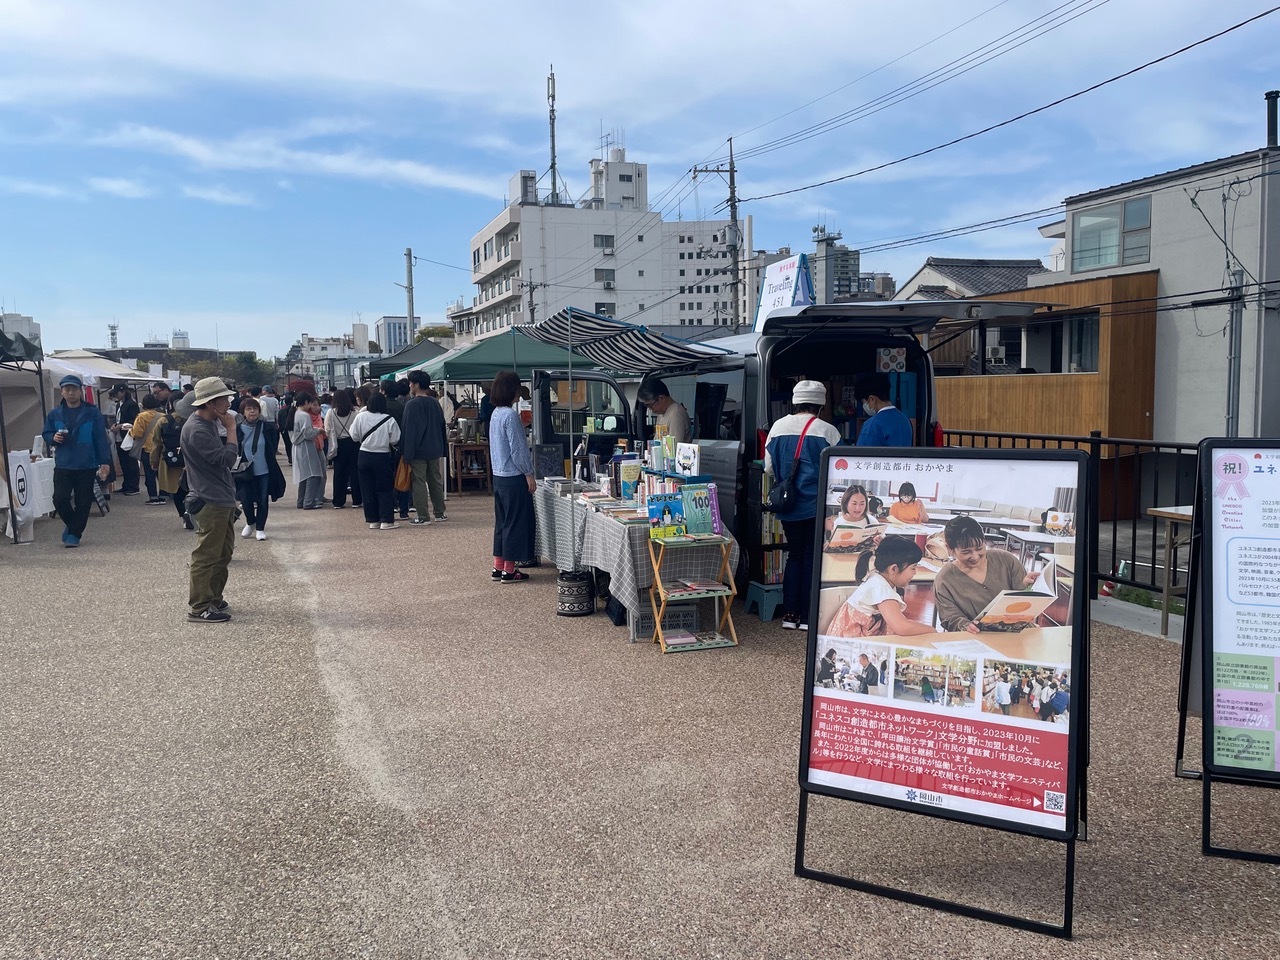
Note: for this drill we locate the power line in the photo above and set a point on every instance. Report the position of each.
(988, 52)
(1021, 116)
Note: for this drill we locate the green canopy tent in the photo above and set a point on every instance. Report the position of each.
(478, 362)
(404, 360)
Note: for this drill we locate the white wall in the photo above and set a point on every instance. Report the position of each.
(1191, 350)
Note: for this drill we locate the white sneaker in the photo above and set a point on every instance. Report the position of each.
(390, 526)
(247, 531)
(373, 526)
(262, 534)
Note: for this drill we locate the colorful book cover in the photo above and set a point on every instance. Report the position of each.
(669, 454)
(688, 459)
(698, 514)
(678, 638)
(666, 515)
(629, 474)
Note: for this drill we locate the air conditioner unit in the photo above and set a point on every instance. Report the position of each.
(608, 251)
(608, 284)
(995, 353)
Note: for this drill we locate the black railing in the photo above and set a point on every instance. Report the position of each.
(1126, 478)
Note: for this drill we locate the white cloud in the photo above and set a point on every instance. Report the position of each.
(267, 151)
(121, 187)
(223, 195)
(34, 188)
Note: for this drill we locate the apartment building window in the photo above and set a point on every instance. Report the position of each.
(682, 289)
(624, 178)
(682, 305)
(682, 273)
(699, 306)
(681, 254)
(640, 273)
(639, 238)
(1116, 234)
(475, 258)
(603, 273)
(641, 307)
(606, 309)
(488, 248)
(603, 240)
(715, 238)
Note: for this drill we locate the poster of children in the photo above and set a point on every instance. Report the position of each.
(942, 578)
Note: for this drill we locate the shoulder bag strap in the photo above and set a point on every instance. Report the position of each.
(800, 442)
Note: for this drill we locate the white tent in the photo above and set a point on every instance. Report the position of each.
(92, 368)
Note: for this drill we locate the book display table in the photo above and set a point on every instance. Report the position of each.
(620, 549)
(673, 584)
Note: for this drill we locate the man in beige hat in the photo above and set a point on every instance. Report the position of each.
(209, 448)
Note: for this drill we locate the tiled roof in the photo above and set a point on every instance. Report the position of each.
(986, 276)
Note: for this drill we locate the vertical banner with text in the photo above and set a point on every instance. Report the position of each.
(1240, 484)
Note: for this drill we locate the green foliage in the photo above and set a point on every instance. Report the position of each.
(241, 368)
(428, 332)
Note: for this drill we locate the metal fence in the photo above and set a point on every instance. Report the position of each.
(1126, 478)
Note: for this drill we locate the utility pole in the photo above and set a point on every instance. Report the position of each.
(408, 289)
(1234, 325)
(732, 239)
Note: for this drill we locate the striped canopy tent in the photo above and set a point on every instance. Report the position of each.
(616, 346)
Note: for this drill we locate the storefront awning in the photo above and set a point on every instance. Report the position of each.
(616, 346)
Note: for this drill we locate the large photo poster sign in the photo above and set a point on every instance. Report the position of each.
(1241, 489)
(944, 636)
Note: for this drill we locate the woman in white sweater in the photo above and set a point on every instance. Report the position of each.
(377, 432)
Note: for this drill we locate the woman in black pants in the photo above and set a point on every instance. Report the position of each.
(377, 432)
(344, 452)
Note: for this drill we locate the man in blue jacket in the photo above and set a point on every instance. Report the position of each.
(77, 434)
(886, 425)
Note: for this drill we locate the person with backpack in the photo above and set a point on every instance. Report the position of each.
(165, 444)
(77, 434)
(793, 452)
(144, 441)
(1059, 703)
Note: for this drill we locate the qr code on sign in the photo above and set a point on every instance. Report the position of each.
(1055, 802)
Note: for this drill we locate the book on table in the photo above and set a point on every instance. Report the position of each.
(701, 509)
(678, 638)
(688, 459)
(703, 584)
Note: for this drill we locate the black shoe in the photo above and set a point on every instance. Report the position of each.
(209, 615)
(130, 493)
(516, 577)
(187, 521)
(790, 621)
(495, 576)
(418, 521)
(154, 501)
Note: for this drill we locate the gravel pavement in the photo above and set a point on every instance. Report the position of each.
(386, 755)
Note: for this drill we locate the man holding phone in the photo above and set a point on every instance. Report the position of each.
(77, 435)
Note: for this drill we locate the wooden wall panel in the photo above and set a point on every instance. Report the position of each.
(1055, 403)
(1118, 399)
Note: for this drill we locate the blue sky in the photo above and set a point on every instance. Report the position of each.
(252, 170)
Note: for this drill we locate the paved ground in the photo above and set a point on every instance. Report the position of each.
(386, 755)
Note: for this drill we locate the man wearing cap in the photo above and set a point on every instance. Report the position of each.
(209, 454)
(794, 450)
(655, 395)
(77, 434)
(127, 411)
(886, 425)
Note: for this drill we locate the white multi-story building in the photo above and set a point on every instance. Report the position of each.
(609, 254)
(12, 323)
(394, 333)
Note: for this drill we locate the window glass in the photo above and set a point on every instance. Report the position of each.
(1111, 235)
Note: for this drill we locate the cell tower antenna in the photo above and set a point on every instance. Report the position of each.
(551, 108)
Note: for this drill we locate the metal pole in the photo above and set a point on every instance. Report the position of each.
(408, 291)
(734, 237)
(1234, 326)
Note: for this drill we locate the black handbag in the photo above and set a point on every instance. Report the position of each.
(782, 495)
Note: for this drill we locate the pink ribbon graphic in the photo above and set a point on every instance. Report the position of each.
(1231, 470)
